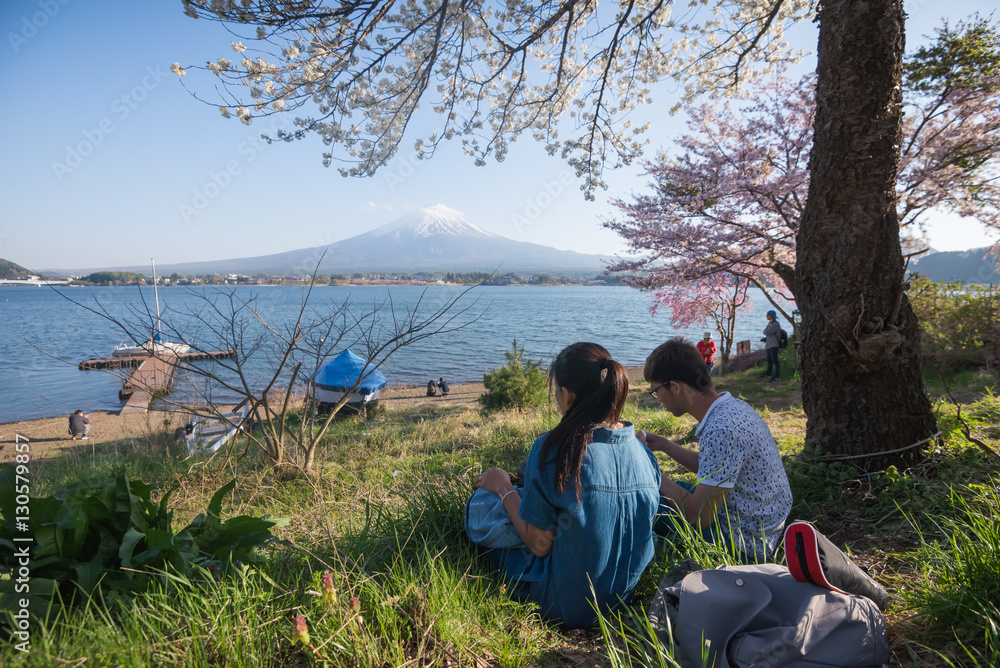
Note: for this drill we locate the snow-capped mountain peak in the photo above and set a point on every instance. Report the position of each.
(433, 221)
(435, 238)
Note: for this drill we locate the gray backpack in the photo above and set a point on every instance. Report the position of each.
(760, 616)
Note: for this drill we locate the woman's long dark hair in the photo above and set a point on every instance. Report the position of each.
(601, 387)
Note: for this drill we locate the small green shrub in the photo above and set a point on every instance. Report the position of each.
(959, 323)
(517, 384)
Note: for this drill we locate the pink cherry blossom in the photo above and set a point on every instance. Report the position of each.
(727, 201)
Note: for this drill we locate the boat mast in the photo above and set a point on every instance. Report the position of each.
(156, 298)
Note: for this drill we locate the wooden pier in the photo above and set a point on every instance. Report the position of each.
(137, 360)
(152, 375)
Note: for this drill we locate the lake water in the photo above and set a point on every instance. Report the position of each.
(43, 335)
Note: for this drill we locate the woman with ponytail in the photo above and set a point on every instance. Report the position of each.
(591, 491)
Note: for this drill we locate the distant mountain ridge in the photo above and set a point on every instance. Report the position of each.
(976, 265)
(9, 270)
(435, 238)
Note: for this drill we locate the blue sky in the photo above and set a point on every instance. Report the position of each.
(106, 155)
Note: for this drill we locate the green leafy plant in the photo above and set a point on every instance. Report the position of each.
(517, 384)
(114, 537)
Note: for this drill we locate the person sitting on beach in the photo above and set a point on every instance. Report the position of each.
(590, 496)
(79, 426)
(443, 386)
(432, 389)
(742, 496)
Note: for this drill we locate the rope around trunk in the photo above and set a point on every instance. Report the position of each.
(884, 452)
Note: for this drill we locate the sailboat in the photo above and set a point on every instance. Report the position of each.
(156, 345)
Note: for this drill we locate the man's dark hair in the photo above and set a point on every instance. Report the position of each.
(79, 412)
(677, 360)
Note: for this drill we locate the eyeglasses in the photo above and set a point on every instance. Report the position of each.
(653, 392)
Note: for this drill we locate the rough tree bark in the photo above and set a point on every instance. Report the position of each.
(862, 388)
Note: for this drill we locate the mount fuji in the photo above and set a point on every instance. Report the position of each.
(435, 238)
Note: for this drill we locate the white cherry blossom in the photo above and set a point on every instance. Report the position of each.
(355, 72)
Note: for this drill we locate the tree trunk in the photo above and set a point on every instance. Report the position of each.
(862, 387)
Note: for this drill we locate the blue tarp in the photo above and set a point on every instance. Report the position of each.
(340, 373)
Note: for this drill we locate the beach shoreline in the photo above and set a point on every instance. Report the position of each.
(49, 437)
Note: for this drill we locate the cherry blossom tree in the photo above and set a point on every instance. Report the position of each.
(862, 382)
(950, 156)
(355, 71)
(730, 203)
(731, 200)
(717, 299)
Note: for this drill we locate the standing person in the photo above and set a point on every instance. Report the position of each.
(431, 388)
(590, 497)
(742, 496)
(79, 425)
(707, 349)
(443, 386)
(772, 336)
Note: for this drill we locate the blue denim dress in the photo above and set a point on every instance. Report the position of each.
(602, 542)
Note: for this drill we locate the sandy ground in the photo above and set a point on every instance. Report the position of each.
(459, 396)
(49, 437)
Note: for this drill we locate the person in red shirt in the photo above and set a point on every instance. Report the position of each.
(707, 349)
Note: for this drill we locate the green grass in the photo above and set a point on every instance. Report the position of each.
(957, 592)
(383, 513)
(977, 381)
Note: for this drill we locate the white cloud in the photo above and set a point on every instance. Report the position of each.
(372, 206)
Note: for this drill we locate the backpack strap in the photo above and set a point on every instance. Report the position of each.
(802, 555)
(812, 557)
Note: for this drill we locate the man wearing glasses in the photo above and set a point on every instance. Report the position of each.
(742, 495)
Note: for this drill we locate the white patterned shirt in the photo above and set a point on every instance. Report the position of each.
(737, 452)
